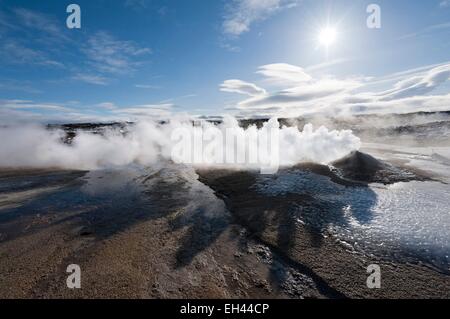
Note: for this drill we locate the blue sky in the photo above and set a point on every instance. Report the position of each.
(134, 58)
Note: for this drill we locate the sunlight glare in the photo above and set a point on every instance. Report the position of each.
(327, 36)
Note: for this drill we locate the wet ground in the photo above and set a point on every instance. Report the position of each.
(135, 233)
(169, 231)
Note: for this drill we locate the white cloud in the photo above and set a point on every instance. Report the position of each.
(110, 55)
(426, 103)
(13, 52)
(145, 111)
(38, 21)
(444, 4)
(25, 104)
(283, 73)
(17, 111)
(241, 14)
(241, 87)
(8, 116)
(12, 116)
(23, 111)
(328, 95)
(104, 54)
(291, 97)
(419, 84)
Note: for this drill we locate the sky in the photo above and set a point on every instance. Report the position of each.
(135, 59)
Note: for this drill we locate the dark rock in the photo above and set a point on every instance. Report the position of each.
(362, 167)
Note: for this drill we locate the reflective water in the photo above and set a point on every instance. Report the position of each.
(404, 220)
(408, 219)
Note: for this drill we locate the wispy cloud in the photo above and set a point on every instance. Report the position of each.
(25, 104)
(147, 86)
(47, 25)
(28, 37)
(107, 106)
(141, 5)
(241, 14)
(229, 47)
(12, 111)
(418, 84)
(143, 111)
(110, 55)
(6, 23)
(283, 73)
(21, 86)
(104, 55)
(10, 116)
(325, 65)
(297, 96)
(14, 52)
(241, 87)
(136, 4)
(444, 4)
(428, 30)
(329, 95)
(90, 78)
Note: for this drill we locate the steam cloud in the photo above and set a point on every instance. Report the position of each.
(146, 143)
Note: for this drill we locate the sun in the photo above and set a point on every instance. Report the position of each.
(327, 36)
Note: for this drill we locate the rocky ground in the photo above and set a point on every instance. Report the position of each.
(175, 236)
(135, 254)
(336, 269)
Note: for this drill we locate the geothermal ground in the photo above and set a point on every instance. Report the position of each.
(172, 231)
